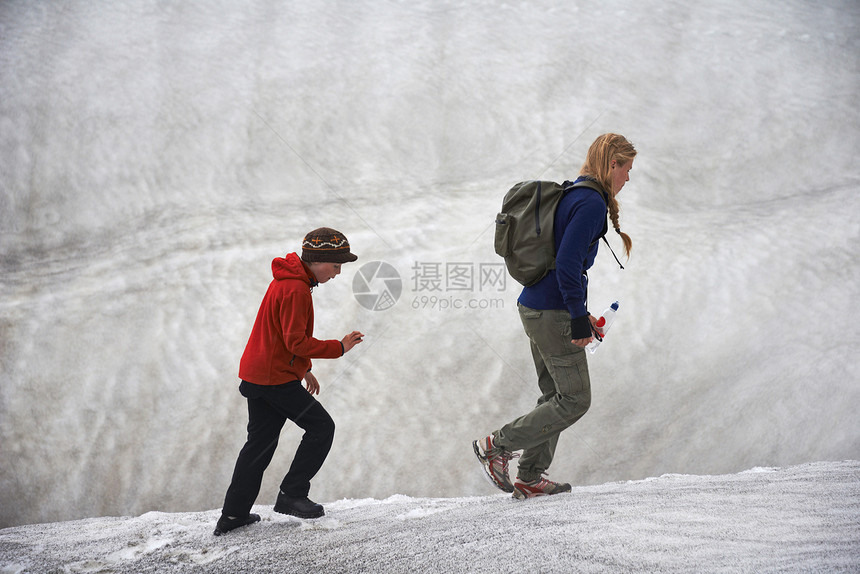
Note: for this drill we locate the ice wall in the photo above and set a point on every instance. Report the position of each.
(155, 158)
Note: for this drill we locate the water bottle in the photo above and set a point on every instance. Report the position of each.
(603, 324)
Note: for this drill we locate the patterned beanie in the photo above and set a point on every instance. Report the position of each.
(325, 245)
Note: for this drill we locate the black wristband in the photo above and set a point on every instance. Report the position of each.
(580, 328)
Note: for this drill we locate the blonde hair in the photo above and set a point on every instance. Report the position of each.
(598, 166)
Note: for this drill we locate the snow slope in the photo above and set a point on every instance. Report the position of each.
(803, 518)
(154, 158)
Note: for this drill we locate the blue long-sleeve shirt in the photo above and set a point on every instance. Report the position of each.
(580, 221)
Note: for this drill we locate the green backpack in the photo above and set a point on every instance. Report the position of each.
(524, 228)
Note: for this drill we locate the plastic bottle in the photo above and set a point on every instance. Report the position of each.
(603, 324)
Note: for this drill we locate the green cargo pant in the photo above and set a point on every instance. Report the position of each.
(565, 387)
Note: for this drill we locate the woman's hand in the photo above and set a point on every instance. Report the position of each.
(587, 340)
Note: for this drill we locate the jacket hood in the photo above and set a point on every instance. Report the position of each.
(292, 267)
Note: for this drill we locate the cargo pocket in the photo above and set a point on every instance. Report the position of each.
(502, 242)
(528, 312)
(570, 373)
(562, 322)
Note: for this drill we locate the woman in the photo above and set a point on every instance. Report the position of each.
(555, 318)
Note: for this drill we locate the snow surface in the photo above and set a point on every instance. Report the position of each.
(154, 158)
(797, 519)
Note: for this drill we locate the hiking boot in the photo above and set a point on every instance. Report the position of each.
(300, 506)
(539, 487)
(495, 460)
(228, 523)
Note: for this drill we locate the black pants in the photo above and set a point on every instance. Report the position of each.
(269, 407)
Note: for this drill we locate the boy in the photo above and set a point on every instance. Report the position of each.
(276, 360)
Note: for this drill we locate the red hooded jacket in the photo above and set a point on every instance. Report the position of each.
(281, 344)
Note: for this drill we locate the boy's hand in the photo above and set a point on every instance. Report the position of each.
(312, 384)
(351, 340)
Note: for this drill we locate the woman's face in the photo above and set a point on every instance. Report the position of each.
(620, 175)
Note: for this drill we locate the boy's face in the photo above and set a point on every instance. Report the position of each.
(325, 271)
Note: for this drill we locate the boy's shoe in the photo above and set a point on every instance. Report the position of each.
(300, 506)
(228, 523)
(539, 487)
(495, 460)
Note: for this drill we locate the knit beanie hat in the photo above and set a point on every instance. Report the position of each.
(325, 245)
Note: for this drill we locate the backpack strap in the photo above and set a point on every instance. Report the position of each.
(613, 252)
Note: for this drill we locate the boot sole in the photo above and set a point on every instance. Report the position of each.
(520, 495)
(297, 514)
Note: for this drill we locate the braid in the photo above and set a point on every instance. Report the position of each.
(613, 216)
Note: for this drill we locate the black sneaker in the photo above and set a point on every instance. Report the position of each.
(228, 523)
(300, 506)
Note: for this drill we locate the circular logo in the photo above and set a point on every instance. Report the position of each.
(377, 286)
